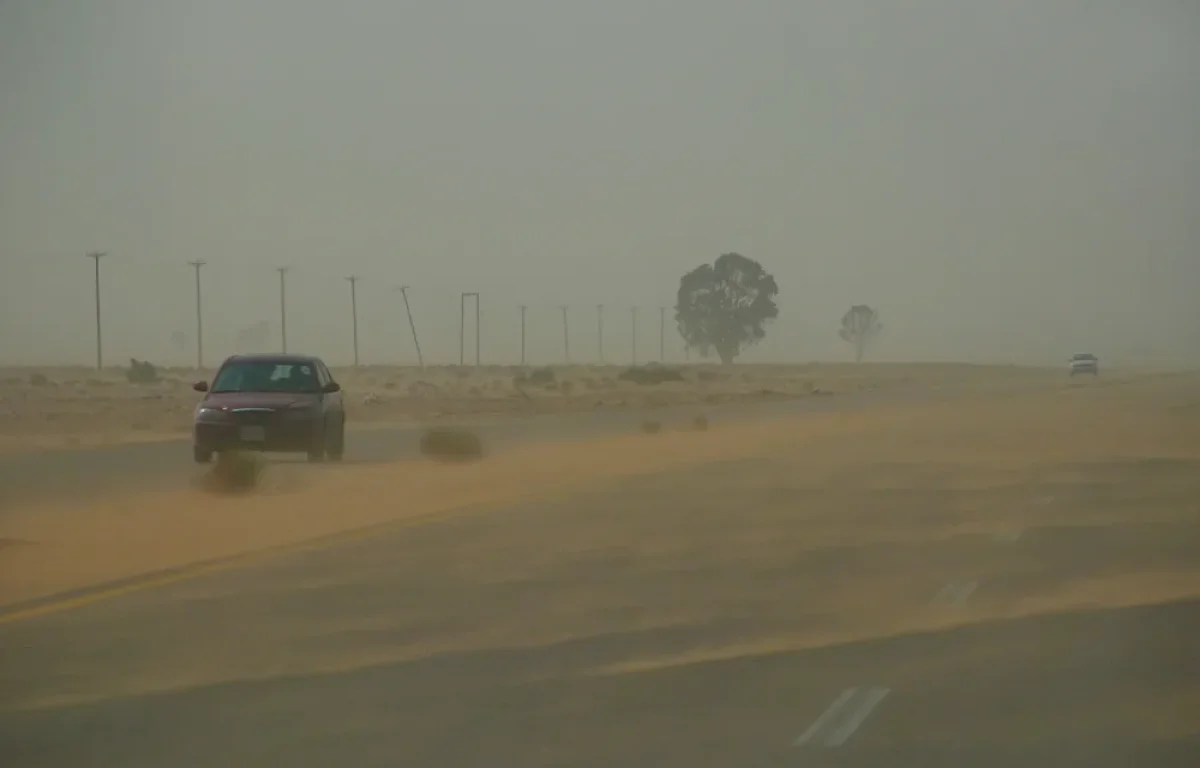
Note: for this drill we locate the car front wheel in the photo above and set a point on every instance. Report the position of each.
(316, 451)
(335, 444)
(201, 455)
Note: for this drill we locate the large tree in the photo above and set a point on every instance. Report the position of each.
(860, 327)
(725, 305)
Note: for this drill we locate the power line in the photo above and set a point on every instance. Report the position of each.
(523, 310)
(662, 334)
(633, 335)
(96, 256)
(566, 338)
(199, 316)
(283, 306)
(411, 325)
(462, 326)
(353, 280)
(600, 333)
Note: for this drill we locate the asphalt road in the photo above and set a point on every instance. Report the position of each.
(169, 464)
(432, 648)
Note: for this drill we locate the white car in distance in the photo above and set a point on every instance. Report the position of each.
(1085, 362)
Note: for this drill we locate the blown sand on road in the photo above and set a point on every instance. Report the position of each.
(61, 546)
(685, 598)
(74, 408)
(978, 451)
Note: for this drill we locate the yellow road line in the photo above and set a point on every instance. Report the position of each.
(233, 562)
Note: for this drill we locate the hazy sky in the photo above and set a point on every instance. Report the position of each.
(1004, 180)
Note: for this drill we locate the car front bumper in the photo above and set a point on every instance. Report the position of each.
(279, 432)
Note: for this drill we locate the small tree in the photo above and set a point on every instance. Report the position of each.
(725, 305)
(860, 327)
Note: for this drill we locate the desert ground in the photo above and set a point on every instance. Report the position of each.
(928, 567)
(70, 408)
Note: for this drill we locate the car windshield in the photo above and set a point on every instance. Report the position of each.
(1085, 356)
(259, 376)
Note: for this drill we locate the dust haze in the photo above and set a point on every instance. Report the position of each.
(1004, 181)
(798, 559)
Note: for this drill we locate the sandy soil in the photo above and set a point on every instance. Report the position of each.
(72, 408)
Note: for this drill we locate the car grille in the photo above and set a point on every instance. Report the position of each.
(257, 416)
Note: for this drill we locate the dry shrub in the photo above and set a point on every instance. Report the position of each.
(651, 427)
(700, 423)
(542, 376)
(38, 379)
(141, 372)
(234, 472)
(657, 400)
(707, 375)
(423, 389)
(448, 444)
(651, 374)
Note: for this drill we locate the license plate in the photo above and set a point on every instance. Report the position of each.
(253, 434)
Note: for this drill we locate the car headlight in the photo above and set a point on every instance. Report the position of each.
(208, 413)
(302, 411)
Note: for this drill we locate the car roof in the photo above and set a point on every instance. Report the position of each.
(277, 358)
(1084, 356)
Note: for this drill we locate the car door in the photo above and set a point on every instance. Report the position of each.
(334, 403)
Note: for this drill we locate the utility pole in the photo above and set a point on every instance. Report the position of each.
(600, 332)
(353, 280)
(96, 256)
(566, 338)
(633, 336)
(462, 326)
(199, 316)
(523, 308)
(283, 305)
(662, 334)
(411, 325)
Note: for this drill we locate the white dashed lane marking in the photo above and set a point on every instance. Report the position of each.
(1009, 537)
(955, 593)
(843, 717)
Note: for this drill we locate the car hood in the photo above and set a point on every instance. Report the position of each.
(272, 400)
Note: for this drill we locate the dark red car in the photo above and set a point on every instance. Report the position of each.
(284, 403)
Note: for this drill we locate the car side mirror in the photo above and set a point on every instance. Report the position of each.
(331, 387)
(200, 386)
